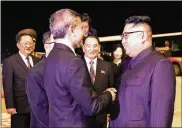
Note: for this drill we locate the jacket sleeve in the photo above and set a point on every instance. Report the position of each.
(163, 85)
(80, 86)
(111, 75)
(8, 83)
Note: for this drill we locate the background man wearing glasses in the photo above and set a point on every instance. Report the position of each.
(14, 71)
(35, 88)
(147, 86)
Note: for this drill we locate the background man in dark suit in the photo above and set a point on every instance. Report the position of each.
(35, 88)
(147, 87)
(101, 75)
(15, 69)
(87, 29)
(67, 82)
(87, 25)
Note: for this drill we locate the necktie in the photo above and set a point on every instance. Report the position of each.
(92, 73)
(28, 62)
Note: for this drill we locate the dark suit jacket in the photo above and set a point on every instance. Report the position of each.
(37, 96)
(103, 80)
(14, 73)
(146, 94)
(69, 90)
(92, 32)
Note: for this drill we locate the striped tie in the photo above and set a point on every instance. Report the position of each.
(92, 73)
(28, 62)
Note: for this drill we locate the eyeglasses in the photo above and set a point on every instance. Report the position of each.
(126, 34)
(49, 43)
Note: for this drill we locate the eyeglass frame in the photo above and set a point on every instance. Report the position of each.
(123, 35)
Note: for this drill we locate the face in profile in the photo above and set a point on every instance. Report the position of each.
(117, 54)
(132, 40)
(78, 34)
(49, 44)
(85, 28)
(91, 48)
(26, 45)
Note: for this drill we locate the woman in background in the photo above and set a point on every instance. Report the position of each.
(118, 57)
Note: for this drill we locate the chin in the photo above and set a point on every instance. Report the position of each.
(28, 52)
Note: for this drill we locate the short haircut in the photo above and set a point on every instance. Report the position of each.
(61, 20)
(46, 37)
(86, 18)
(95, 37)
(139, 20)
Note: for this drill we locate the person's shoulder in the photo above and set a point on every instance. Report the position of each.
(39, 66)
(103, 62)
(35, 58)
(10, 58)
(157, 56)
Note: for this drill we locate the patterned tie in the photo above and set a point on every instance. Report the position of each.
(28, 62)
(92, 73)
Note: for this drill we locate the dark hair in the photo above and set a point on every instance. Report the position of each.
(114, 47)
(86, 18)
(95, 37)
(139, 20)
(46, 36)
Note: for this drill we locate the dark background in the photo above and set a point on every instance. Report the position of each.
(107, 17)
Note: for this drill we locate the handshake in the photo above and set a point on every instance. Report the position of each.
(113, 92)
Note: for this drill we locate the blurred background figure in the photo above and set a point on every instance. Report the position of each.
(87, 30)
(14, 72)
(87, 25)
(166, 50)
(118, 56)
(35, 88)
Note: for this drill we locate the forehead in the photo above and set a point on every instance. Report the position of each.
(91, 41)
(118, 49)
(133, 27)
(85, 23)
(26, 38)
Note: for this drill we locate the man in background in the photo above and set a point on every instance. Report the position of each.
(35, 88)
(15, 69)
(101, 75)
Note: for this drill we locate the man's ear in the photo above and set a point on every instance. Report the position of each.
(17, 45)
(99, 48)
(144, 36)
(83, 48)
(71, 29)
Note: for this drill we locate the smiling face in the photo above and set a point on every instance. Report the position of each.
(132, 39)
(26, 45)
(91, 48)
(118, 53)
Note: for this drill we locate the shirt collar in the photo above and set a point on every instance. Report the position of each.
(23, 56)
(140, 56)
(88, 60)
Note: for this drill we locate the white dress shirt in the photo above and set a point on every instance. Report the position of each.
(25, 60)
(88, 64)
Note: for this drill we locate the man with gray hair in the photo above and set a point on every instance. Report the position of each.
(67, 81)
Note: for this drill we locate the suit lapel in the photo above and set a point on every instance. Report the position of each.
(35, 60)
(21, 62)
(98, 71)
